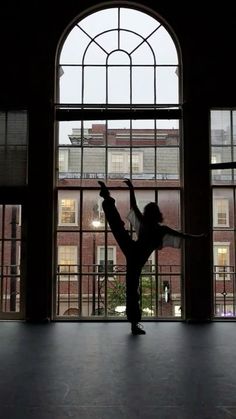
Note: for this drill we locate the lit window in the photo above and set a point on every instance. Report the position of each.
(221, 261)
(68, 212)
(117, 163)
(67, 261)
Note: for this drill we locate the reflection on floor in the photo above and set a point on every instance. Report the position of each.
(100, 371)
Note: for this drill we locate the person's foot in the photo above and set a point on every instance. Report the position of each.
(104, 192)
(137, 329)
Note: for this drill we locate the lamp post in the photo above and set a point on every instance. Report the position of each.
(95, 224)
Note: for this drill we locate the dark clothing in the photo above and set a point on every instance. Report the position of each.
(136, 254)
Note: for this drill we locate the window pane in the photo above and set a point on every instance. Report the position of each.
(137, 21)
(167, 85)
(70, 84)
(163, 47)
(118, 85)
(10, 258)
(139, 93)
(167, 163)
(220, 127)
(100, 21)
(13, 148)
(74, 47)
(94, 85)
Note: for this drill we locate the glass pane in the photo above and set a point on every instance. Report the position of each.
(143, 86)
(137, 21)
(167, 163)
(167, 85)
(220, 127)
(143, 54)
(223, 208)
(93, 216)
(163, 47)
(12, 222)
(143, 163)
(94, 163)
(70, 84)
(95, 54)
(13, 148)
(100, 21)
(169, 203)
(69, 132)
(10, 264)
(74, 47)
(118, 85)
(94, 85)
(68, 208)
(17, 128)
(108, 41)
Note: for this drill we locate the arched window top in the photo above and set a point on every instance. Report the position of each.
(114, 47)
(119, 28)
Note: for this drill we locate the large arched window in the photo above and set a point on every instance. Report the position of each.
(118, 110)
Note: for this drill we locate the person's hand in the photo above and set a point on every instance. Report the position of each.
(128, 183)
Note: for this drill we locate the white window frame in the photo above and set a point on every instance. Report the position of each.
(220, 275)
(73, 260)
(126, 161)
(217, 203)
(71, 197)
(99, 249)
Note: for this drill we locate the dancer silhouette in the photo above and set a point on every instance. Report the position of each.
(151, 235)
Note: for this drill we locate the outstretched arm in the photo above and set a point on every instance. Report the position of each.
(133, 202)
(184, 235)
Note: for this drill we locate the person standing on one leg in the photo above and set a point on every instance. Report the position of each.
(151, 235)
(130, 250)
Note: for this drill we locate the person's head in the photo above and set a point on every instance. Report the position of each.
(152, 213)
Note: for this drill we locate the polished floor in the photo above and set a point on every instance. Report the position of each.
(101, 371)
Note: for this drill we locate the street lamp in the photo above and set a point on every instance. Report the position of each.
(95, 224)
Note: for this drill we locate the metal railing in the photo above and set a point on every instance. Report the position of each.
(224, 291)
(89, 291)
(10, 288)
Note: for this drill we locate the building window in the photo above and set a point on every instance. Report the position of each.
(13, 148)
(221, 261)
(68, 212)
(118, 110)
(221, 212)
(67, 262)
(10, 262)
(109, 262)
(119, 162)
(225, 310)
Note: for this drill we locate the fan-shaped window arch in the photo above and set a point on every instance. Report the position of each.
(118, 109)
(153, 58)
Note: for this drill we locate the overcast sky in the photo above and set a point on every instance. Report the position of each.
(108, 54)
